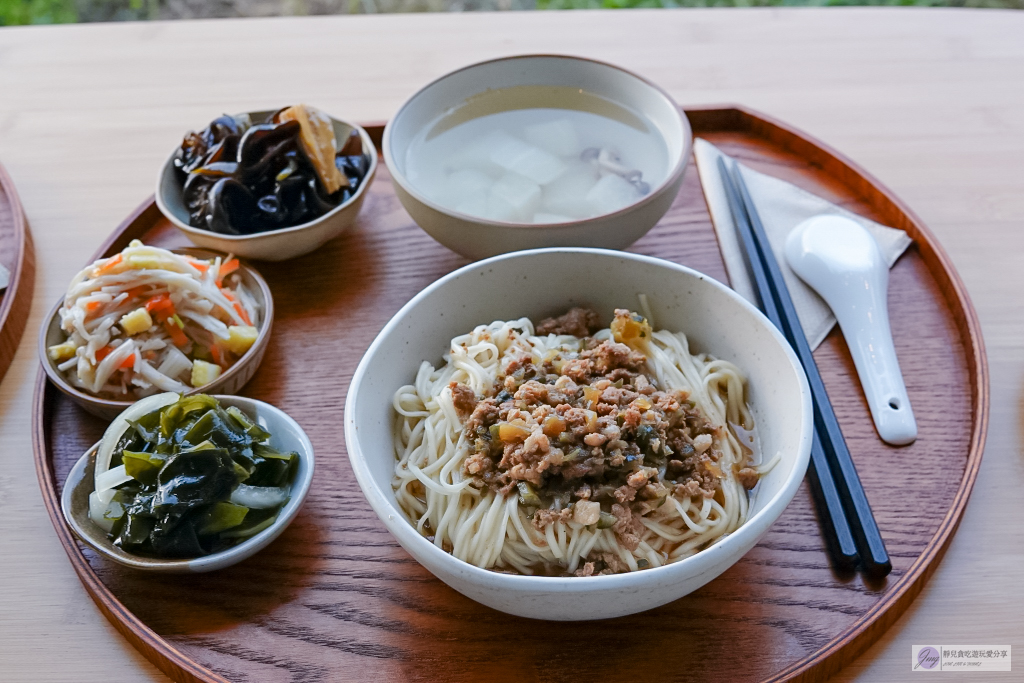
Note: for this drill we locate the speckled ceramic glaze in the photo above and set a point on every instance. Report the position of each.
(286, 435)
(230, 382)
(546, 282)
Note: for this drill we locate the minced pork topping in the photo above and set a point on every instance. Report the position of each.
(588, 436)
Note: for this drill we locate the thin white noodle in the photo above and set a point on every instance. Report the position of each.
(482, 528)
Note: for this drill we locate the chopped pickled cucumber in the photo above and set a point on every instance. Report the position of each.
(527, 496)
(223, 516)
(142, 466)
(203, 373)
(249, 531)
(136, 322)
(61, 352)
(241, 339)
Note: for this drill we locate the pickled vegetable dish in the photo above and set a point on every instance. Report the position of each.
(186, 477)
(148, 320)
(241, 178)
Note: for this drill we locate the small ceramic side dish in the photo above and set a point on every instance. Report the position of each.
(272, 245)
(287, 435)
(230, 381)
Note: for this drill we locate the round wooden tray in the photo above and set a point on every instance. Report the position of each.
(335, 598)
(17, 255)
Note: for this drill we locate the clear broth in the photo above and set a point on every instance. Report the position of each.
(529, 154)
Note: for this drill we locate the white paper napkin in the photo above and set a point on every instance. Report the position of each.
(782, 206)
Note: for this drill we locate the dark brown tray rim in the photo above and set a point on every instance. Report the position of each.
(820, 665)
(17, 299)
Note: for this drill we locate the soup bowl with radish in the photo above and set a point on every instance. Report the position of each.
(537, 151)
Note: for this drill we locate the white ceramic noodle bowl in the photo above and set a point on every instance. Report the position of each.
(476, 237)
(544, 282)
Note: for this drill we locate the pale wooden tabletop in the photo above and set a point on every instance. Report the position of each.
(930, 101)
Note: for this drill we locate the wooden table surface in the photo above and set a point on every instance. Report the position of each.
(930, 101)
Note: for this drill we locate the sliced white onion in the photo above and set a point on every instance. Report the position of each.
(106, 482)
(120, 425)
(160, 381)
(175, 364)
(111, 363)
(104, 514)
(259, 497)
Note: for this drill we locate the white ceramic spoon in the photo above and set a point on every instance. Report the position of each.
(841, 261)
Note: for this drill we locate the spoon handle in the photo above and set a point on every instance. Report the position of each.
(869, 337)
(841, 261)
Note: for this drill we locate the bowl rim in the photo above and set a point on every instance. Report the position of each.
(192, 230)
(676, 171)
(400, 527)
(267, 320)
(297, 495)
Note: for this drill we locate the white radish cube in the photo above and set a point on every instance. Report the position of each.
(557, 137)
(461, 186)
(539, 166)
(432, 187)
(521, 196)
(499, 209)
(474, 206)
(476, 155)
(503, 149)
(566, 196)
(611, 193)
(541, 217)
(514, 155)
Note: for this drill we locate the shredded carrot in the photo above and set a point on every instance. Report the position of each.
(175, 333)
(103, 353)
(107, 265)
(242, 314)
(161, 304)
(202, 266)
(127, 363)
(216, 355)
(93, 306)
(226, 268)
(237, 306)
(135, 292)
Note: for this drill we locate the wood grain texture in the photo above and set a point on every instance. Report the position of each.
(17, 255)
(335, 598)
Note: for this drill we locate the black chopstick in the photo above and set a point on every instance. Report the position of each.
(873, 557)
(835, 527)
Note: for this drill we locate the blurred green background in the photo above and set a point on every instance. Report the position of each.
(14, 12)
